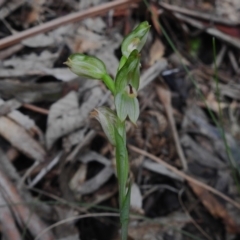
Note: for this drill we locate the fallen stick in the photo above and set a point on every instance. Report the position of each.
(165, 97)
(184, 176)
(73, 17)
(8, 227)
(210, 30)
(200, 15)
(25, 217)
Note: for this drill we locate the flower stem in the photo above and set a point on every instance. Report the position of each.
(109, 83)
(122, 174)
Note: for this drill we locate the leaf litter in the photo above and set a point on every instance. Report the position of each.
(76, 163)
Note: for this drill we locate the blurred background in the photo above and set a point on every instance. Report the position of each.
(57, 169)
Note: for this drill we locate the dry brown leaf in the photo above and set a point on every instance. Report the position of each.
(156, 52)
(73, 138)
(213, 103)
(20, 118)
(20, 139)
(62, 117)
(94, 183)
(162, 121)
(160, 169)
(80, 44)
(62, 74)
(107, 55)
(95, 24)
(31, 61)
(40, 40)
(155, 231)
(152, 72)
(215, 208)
(65, 115)
(228, 9)
(146, 232)
(198, 153)
(77, 183)
(9, 6)
(85, 40)
(25, 121)
(79, 177)
(34, 14)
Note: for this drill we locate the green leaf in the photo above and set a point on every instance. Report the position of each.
(107, 119)
(136, 39)
(122, 62)
(120, 103)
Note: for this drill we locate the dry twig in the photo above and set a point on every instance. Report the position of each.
(70, 18)
(8, 226)
(210, 30)
(185, 176)
(25, 218)
(165, 97)
(36, 109)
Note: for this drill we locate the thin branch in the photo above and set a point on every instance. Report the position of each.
(185, 176)
(35, 108)
(70, 18)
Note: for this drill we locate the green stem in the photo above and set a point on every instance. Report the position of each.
(109, 83)
(122, 174)
(124, 214)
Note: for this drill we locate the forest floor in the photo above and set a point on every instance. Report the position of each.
(57, 169)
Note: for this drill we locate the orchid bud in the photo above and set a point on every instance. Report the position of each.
(136, 39)
(86, 66)
(107, 118)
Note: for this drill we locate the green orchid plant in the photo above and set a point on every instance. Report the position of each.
(124, 89)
